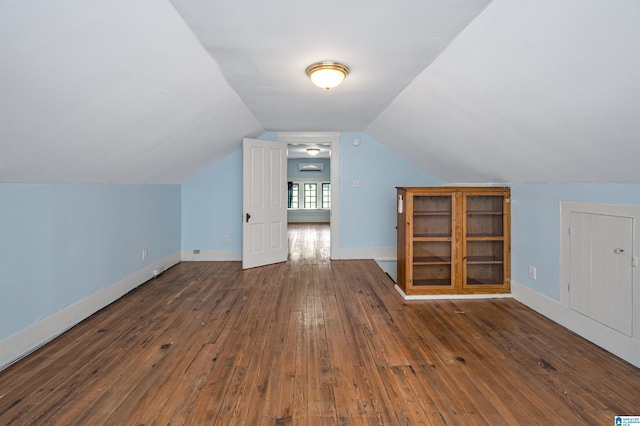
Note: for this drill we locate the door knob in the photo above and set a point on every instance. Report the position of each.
(248, 217)
(618, 251)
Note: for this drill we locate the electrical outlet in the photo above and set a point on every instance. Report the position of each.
(225, 238)
(145, 253)
(532, 272)
(356, 184)
(196, 251)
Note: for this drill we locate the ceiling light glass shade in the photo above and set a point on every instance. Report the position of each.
(327, 74)
(313, 151)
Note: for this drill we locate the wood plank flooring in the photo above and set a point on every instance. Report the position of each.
(312, 342)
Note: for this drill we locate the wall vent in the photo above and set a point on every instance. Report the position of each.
(311, 167)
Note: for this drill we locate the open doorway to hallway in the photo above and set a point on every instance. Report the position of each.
(309, 183)
(312, 174)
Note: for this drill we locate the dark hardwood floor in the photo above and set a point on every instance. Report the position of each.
(313, 341)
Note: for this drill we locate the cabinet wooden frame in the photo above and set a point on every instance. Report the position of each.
(454, 240)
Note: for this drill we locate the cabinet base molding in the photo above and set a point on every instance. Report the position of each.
(451, 296)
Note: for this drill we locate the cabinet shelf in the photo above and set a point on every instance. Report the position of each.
(432, 283)
(485, 283)
(431, 260)
(483, 259)
(428, 213)
(453, 240)
(432, 237)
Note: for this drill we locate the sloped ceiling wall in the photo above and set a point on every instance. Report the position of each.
(110, 92)
(531, 91)
(139, 92)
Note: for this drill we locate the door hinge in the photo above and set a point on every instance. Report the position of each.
(569, 231)
(507, 200)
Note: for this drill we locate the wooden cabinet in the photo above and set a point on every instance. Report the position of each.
(453, 240)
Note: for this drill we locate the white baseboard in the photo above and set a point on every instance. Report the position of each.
(211, 255)
(27, 340)
(309, 219)
(391, 271)
(617, 343)
(451, 296)
(381, 254)
(378, 253)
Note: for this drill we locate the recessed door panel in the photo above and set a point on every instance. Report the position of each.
(601, 269)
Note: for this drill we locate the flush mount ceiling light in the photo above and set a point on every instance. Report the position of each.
(313, 151)
(327, 74)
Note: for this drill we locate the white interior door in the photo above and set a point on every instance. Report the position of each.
(601, 271)
(264, 201)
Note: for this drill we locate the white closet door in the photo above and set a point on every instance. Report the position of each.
(601, 271)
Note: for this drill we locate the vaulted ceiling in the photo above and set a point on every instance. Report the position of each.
(153, 91)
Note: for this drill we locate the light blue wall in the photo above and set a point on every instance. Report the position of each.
(212, 207)
(212, 200)
(63, 243)
(368, 214)
(294, 173)
(309, 216)
(535, 226)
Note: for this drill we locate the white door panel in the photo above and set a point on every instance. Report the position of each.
(264, 230)
(601, 273)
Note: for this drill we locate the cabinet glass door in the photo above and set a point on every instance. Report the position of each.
(484, 242)
(432, 240)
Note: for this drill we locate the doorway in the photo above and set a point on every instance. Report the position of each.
(328, 143)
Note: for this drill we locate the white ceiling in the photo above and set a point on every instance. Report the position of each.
(153, 91)
(299, 150)
(264, 47)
